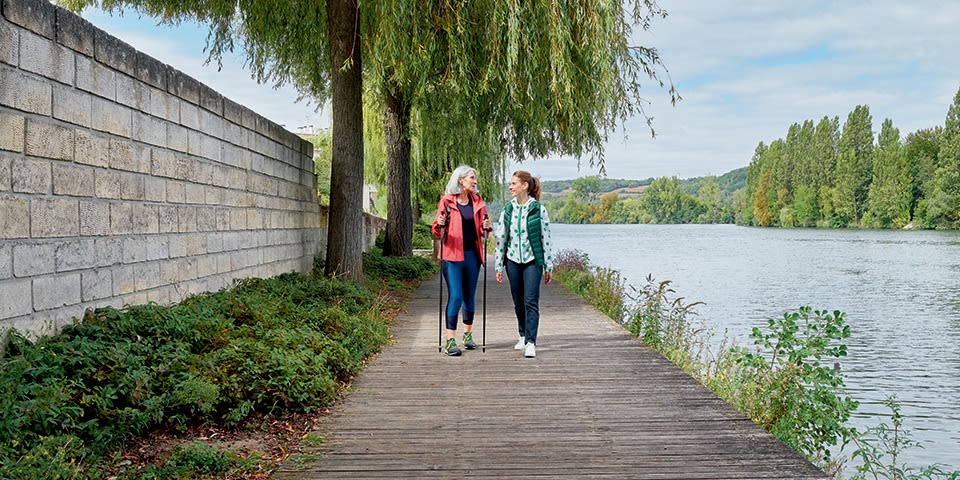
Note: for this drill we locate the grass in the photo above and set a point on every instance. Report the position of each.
(263, 353)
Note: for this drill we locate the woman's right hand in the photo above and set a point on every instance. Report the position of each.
(441, 219)
(499, 277)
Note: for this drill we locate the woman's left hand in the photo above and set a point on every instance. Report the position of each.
(487, 224)
(547, 277)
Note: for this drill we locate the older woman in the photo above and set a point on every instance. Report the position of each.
(461, 224)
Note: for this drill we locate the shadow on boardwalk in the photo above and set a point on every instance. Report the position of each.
(595, 403)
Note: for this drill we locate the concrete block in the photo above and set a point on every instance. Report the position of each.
(223, 219)
(38, 17)
(176, 191)
(184, 86)
(134, 249)
(147, 275)
(124, 279)
(129, 156)
(73, 180)
(132, 93)
(75, 32)
(177, 138)
(49, 140)
(187, 219)
(106, 184)
(148, 129)
(74, 254)
(238, 219)
(54, 218)
(195, 193)
(158, 247)
(42, 55)
(151, 71)
(10, 47)
(211, 124)
(121, 218)
(107, 251)
(164, 105)
(16, 298)
(94, 218)
(112, 118)
(163, 163)
(187, 269)
(132, 186)
(95, 78)
(114, 53)
(190, 115)
(206, 219)
(34, 258)
(213, 195)
(169, 272)
(211, 148)
(14, 217)
(206, 265)
(146, 219)
(96, 285)
(211, 100)
(155, 189)
(169, 219)
(92, 149)
(24, 92)
(72, 105)
(56, 291)
(214, 242)
(30, 176)
(6, 261)
(12, 128)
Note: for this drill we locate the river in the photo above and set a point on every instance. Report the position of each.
(899, 289)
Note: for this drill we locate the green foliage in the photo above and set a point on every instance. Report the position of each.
(375, 265)
(196, 460)
(858, 182)
(266, 345)
(878, 448)
(791, 392)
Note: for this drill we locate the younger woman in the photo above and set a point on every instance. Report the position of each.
(523, 249)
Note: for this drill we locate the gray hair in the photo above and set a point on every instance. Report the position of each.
(453, 186)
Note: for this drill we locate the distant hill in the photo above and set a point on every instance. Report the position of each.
(729, 182)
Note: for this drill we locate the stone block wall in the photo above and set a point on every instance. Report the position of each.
(125, 181)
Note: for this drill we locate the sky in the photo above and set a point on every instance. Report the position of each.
(746, 69)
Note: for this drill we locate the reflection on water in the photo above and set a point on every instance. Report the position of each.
(898, 288)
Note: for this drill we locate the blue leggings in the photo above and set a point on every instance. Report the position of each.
(461, 278)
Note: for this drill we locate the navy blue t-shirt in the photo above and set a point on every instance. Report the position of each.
(469, 227)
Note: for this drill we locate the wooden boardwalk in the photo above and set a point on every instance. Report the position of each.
(594, 403)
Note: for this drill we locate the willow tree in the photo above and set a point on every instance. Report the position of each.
(489, 80)
(313, 44)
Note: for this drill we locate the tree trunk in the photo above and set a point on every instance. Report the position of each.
(396, 126)
(345, 230)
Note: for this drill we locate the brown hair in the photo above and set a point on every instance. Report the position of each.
(533, 183)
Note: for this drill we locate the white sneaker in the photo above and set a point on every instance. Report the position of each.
(520, 344)
(530, 351)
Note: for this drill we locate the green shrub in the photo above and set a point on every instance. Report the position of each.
(376, 265)
(267, 345)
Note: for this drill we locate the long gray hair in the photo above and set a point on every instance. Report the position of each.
(453, 186)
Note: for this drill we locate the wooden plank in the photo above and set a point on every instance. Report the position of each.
(595, 403)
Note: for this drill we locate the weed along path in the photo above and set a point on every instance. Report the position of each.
(594, 403)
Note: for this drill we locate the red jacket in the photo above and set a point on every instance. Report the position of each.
(452, 247)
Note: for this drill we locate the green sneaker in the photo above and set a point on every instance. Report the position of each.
(452, 349)
(468, 342)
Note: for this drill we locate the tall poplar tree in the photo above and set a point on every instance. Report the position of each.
(944, 206)
(854, 171)
(888, 200)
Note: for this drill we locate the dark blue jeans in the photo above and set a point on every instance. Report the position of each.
(525, 288)
(461, 278)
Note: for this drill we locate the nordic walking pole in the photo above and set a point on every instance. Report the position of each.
(485, 259)
(443, 236)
